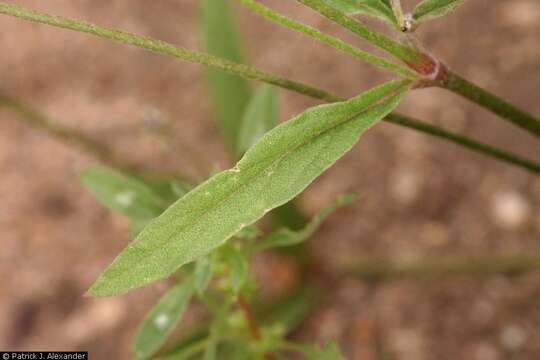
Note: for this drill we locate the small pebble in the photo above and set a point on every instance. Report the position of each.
(510, 210)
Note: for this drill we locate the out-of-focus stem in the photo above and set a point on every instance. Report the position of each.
(66, 134)
(384, 269)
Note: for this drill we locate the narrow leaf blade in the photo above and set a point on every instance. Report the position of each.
(285, 237)
(229, 93)
(276, 169)
(261, 116)
(377, 8)
(161, 321)
(430, 9)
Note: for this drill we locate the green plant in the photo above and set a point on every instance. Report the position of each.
(203, 236)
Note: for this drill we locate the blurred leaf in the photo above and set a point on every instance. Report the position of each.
(290, 310)
(204, 269)
(123, 193)
(430, 9)
(276, 169)
(248, 233)
(238, 265)
(286, 237)
(190, 345)
(161, 321)
(378, 8)
(229, 93)
(329, 352)
(180, 187)
(217, 331)
(261, 115)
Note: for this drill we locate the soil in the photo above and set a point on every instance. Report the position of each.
(421, 197)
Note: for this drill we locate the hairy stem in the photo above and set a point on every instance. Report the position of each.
(381, 269)
(493, 103)
(327, 39)
(240, 70)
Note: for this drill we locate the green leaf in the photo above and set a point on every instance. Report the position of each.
(378, 8)
(290, 310)
(125, 194)
(261, 115)
(286, 237)
(329, 352)
(229, 93)
(238, 266)
(276, 169)
(161, 321)
(430, 9)
(180, 187)
(204, 269)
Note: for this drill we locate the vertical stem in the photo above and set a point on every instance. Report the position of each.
(252, 322)
(493, 103)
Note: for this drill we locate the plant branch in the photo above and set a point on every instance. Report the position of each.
(493, 103)
(246, 72)
(327, 39)
(468, 143)
(383, 269)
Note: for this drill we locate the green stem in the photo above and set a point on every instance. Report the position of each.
(232, 68)
(504, 109)
(162, 47)
(380, 269)
(470, 144)
(327, 39)
(400, 51)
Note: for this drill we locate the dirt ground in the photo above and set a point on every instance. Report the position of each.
(421, 197)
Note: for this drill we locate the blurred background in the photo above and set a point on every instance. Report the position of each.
(422, 198)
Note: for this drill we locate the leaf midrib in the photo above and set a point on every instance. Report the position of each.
(256, 175)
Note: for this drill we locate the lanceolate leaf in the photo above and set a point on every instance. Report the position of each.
(229, 93)
(378, 8)
(161, 321)
(286, 237)
(429, 9)
(276, 169)
(125, 194)
(261, 115)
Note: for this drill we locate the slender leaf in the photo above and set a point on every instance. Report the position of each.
(229, 93)
(430, 9)
(276, 169)
(204, 269)
(125, 194)
(161, 321)
(329, 352)
(378, 8)
(180, 187)
(290, 310)
(261, 115)
(286, 237)
(238, 266)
